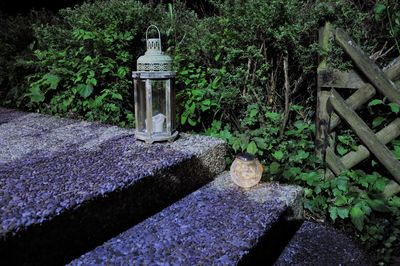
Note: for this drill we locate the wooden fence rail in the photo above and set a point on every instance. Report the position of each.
(332, 108)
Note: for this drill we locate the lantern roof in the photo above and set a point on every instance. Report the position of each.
(154, 58)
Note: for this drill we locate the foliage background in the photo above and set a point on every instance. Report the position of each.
(245, 72)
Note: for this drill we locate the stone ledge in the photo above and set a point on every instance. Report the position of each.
(67, 186)
(317, 244)
(215, 225)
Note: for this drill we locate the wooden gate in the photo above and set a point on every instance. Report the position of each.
(332, 108)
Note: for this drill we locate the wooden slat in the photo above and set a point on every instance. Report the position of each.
(328, 78)
(355, 101)
(385, 135)
(334, 162)
(368, 67)
(367, 136)
(392, 70)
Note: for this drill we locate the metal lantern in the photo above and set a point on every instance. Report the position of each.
(154, 85)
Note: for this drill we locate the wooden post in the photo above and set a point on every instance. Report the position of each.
(379, 79)
(324, 35)
(322, 141)
(322, 117)
(367, 136)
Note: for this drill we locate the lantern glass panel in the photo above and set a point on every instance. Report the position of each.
(173, 104)
(141, 106)
(159, 105)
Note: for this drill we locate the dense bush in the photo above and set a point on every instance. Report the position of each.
(83, 62)
(16, 44)
(246, 73)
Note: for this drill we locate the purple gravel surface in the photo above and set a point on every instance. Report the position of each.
(36, 132)
(66, 185)
(318, 244)
(7, 115)
(216, 225)
(35, 188)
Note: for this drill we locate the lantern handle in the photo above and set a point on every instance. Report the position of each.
(159, 35)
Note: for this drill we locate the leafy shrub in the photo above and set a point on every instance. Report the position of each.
(359, 198)
(16, 43)
(84, 61)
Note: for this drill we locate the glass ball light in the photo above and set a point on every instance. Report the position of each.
(246, 170)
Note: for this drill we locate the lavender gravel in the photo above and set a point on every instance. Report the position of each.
(67, 186)
(7, 115)
(317, 244)
(216, 225)
(33, 132)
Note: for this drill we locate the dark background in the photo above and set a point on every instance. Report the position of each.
(13, 7)
(23, 7)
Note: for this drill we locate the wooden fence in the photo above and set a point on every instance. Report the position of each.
(366, 80)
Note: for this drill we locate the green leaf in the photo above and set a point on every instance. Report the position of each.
(394, 107)
(344, 139)
(253, 112)
(252, 148)
(379, 8)
(341, 149)
(300, 156)
(278, 155)
(342, 183)
(36, 94)
(380, 185)
(87, 58)
(274, 168)
(371, 178)
(121, 72)
(377, 121)
(396, 152)
(300, 125)
(91, 81)
(85, 90)
(375, 102)
(343, 212)
(273, 116)
(357, 217)
(291, 172)
(311, 178)
(333, 212)
(308, 192)
(395, 202)
(192, 122)
(52, 80)
(340, 200)
(235, 142)
(116, 95)
(261, 143)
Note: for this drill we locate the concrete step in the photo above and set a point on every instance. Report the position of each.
(219, 224)
(318, 244)
(67, 186)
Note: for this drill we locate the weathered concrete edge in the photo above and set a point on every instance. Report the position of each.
(76, 231)
(286, 197)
